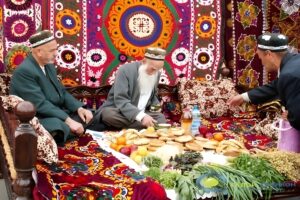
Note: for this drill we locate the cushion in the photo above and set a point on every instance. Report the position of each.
(4, 83)
(46, 146)
(265, 127)
(210, 96)
(171, 108)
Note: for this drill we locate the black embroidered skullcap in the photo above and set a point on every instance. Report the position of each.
(275, 42)
(155, 53)
(40, 38)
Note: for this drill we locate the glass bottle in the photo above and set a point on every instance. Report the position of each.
(186, 120)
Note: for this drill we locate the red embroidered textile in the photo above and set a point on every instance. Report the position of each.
(85, 171)
(240, 128)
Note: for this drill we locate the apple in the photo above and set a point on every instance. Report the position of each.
(133, 147)
(125, 150)
(203, 130)
(209, 135)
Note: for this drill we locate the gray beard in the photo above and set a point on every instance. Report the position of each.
(146, 82)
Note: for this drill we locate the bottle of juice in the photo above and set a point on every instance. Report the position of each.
(186, 120)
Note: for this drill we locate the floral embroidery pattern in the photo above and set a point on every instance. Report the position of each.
(248, 78)
(94, 80)
(288, 9)
(210, 96)
(69, 82)
(134, 25)
(246, 47)
(96, 57)
(21, 27)
(83, 160)
(68, 56)
(68, 21)
(4, 83)
(15, 57)
(247, 13)
(18, 4)
(206, 26)
(290, 6)
(164, 78)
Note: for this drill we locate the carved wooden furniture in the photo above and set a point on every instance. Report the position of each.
(23, 147)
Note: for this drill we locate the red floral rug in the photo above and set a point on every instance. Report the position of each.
(85, 171)
(240, 128)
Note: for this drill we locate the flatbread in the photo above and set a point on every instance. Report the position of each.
(177, 131)
(201, 139)
(164, 138)
(150, 134)
(175, 143)
(152, 148)
(194, 146)
(184, 138)
(163, 132)
(210, 145)
(141, 141)
(156, 143)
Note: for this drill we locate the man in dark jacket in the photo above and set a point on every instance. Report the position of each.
(35, 80)
(272, 49)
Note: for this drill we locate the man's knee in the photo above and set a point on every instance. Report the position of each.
(107, 115)
(113, 117)
(58, 137)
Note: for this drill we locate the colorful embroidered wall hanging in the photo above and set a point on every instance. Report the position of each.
(285, 18)
(246, 22)
(96, 37)
(18, 21)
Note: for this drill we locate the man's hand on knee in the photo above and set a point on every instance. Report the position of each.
(148, 121)
(75, 127)
(85, 115)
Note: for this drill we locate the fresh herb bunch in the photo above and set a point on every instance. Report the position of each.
(186, 188)
(153, 172)
(268, 177)
(152, 161)
(186, 161)
(287, 163)
(238, 185)
(168, 179)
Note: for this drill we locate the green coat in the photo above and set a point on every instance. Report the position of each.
(53, 103)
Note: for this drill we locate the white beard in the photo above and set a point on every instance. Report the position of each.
(146, 82)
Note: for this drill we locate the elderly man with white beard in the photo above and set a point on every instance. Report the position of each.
(134, 92)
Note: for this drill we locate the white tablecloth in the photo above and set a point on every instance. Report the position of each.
(208, 157)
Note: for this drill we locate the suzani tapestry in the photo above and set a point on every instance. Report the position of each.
(245, 24)
(19, 19)
(247, 19)
(285, 18)
(96, 37)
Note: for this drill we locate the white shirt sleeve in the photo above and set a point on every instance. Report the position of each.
(140, 116)
(246, 97)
